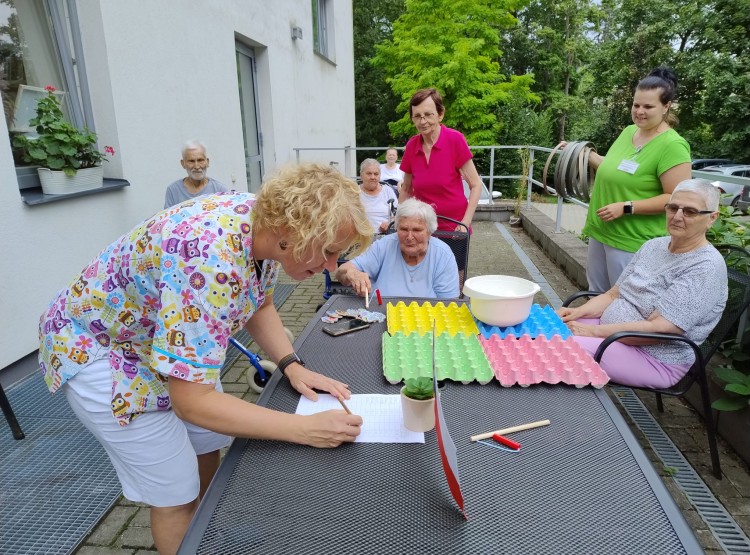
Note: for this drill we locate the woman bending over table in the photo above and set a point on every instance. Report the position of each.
(675, 284)
(137, 340)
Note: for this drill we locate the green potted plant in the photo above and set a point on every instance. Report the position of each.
(418, 404)
(68, 158)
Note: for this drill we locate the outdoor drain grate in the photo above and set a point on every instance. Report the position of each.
(723, 527)
(57, 483)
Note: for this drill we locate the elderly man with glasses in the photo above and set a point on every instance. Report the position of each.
(675, 284)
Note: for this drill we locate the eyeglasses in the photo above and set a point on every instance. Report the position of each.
(427, 117)
(688, 212)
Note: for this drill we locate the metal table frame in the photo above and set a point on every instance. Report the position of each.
(563, 505)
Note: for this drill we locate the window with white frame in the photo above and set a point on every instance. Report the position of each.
(322, 11)
(40, 45)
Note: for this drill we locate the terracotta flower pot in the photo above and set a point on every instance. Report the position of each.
(419, 415)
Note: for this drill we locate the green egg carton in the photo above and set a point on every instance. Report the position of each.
(457, 357)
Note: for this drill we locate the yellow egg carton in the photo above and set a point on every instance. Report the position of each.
(452, 319)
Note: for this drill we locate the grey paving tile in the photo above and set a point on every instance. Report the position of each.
(137, 537)
(113, 524)
(100, 550)
(142, 518)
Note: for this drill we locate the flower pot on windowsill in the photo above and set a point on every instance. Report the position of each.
(57, 143)
(58, 183)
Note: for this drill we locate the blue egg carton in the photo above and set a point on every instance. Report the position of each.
(542, 321)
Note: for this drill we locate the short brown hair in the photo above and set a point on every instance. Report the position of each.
(421, 95)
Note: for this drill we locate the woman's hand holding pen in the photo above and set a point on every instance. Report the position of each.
(330, 428)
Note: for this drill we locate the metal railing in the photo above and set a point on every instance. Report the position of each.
(348, 155)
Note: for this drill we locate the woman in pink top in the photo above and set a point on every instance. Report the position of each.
(435, 160)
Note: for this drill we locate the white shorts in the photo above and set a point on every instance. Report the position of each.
(155, 455)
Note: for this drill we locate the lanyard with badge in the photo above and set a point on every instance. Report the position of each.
(629, 165)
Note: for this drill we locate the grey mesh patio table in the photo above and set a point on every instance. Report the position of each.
(580, 485)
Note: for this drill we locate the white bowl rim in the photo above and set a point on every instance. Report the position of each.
(473, 293)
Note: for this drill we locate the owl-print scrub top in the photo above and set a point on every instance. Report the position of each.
(162, 300)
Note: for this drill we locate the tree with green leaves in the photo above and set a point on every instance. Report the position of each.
(551, 41)
(721, 65)
(532, 72)
(705, 42)
(375, 103)
(453, 45)
(636, 37)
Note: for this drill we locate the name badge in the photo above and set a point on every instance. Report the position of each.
(628, 166)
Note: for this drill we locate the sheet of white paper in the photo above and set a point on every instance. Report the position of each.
(381, 416)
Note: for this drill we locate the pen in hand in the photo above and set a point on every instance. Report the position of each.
(341, 400)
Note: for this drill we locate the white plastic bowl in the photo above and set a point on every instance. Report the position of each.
(500, 300)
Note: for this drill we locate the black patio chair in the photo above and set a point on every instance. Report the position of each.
(458, 241)
(738, 300)
(10, 416)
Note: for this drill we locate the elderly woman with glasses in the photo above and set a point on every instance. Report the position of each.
(675, 284)
(434, 162)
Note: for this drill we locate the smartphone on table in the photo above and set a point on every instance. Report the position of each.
(345, 326)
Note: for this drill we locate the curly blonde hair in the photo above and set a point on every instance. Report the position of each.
(312, 202)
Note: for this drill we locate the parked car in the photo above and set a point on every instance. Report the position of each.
(485, 197)
(744, 202)
(730, 192)
(700, 163)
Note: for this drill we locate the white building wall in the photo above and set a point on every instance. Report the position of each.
(161, 73)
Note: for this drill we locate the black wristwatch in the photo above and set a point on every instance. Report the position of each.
(289, 359)
(628, 208)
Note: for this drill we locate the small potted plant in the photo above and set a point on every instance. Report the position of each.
(418, 404)
(67, 157)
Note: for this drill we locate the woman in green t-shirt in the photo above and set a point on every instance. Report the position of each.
(634, 181)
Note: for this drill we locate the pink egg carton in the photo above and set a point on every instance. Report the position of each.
(525, 361)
